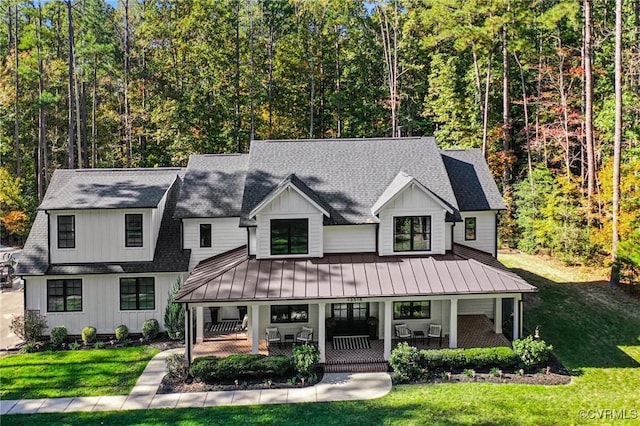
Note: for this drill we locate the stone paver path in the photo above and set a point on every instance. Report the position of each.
(332, 387)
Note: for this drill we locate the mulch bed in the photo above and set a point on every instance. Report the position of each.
(550, 379)
(169, 385)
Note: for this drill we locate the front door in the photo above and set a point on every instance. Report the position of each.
(351, 318)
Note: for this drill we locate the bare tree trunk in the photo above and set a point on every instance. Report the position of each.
(71, 89)
(42, 130)
(389, 35)
(270, 84)
(588, 105)
(525, 107)
(16, 123)
(238, 118)
(506, 108)
(94, 110)
(485, 108)
(127, 67)
(617, 141)
(338, 83)
(252, 126)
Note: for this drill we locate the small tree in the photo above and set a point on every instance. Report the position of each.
(29, 327)
(174, 314)
(305, 361)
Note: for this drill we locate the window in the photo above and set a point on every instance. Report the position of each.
(289, 236)
(133, 230)
(66, 231)
(205, 235)
(470, 228)
(289, 313)
(412, 310)
(412, 233)
(137, 294)
(64, 295)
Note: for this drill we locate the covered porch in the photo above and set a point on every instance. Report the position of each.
(353, 296)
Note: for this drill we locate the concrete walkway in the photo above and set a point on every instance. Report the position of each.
(332, 387)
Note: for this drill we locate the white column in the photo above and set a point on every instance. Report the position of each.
(516, 318)
(497, 317)
(199, 324)
(255, 329)
(322, 341)
(453, 323)
(388, 309)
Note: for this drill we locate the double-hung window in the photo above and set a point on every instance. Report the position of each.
(137, 294)
(470, 228)
(133, 230)
(289, 236)
(64, 295)
(66, 231)
(205, 235)
(412, 233)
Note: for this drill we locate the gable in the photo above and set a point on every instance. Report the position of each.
(288, 201)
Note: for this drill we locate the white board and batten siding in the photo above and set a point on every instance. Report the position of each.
(225, 235)
(350, 239)
(485, 231)
(412, 201)
(289, 205)
(100, 236)
(477, 307)
(101, 303)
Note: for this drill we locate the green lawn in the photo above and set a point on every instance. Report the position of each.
(594, 332)
(73, 373)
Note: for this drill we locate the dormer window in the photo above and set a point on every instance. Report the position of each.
(412, 233)
(66, 231)
(289, 236)
(133, 230)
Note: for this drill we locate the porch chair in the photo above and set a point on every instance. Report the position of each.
(403, 332)
(435, 330)
(305, 335)
(273, 335)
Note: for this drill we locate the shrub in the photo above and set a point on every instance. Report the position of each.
(99, 345)
(28, 349)
(305, 361)
(531, 352)
(122, 332)
(176, 366)
(405, 361)
(58, 335)
(29, 327)
(210, 369)
(74, 346)
(174, 314)
(476, 358)
(495, 372)
(150, 329)
(89, 334)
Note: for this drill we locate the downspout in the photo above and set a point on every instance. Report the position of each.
(377, 238)
(248, 242)
(495, 245)
(49, 237)
(453, 225)
(24, 293)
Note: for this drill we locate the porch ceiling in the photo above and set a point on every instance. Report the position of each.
(234, 276)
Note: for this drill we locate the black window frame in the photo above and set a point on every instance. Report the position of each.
(287, 227)
(412, 234)
(410, 308)
(133, 240)
(66, 237)
(205, 235)
(137, 286)
(470, 228)
(68, 293)
(282, 314)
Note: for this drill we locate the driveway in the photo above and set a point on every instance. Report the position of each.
(11, 304)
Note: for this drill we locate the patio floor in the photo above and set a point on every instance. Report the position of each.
(473, 331)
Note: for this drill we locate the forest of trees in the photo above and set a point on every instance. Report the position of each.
(534, 84)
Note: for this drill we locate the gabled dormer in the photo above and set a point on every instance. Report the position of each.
(412, 218)
(289, 221)
(106, 216)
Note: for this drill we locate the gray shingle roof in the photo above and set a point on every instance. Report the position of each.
(213, 186)
(347, 174)
(472, 181)
(108, 188)
(168, 257)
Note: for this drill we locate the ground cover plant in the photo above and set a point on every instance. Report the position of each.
(73, 373)
(594, 331)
